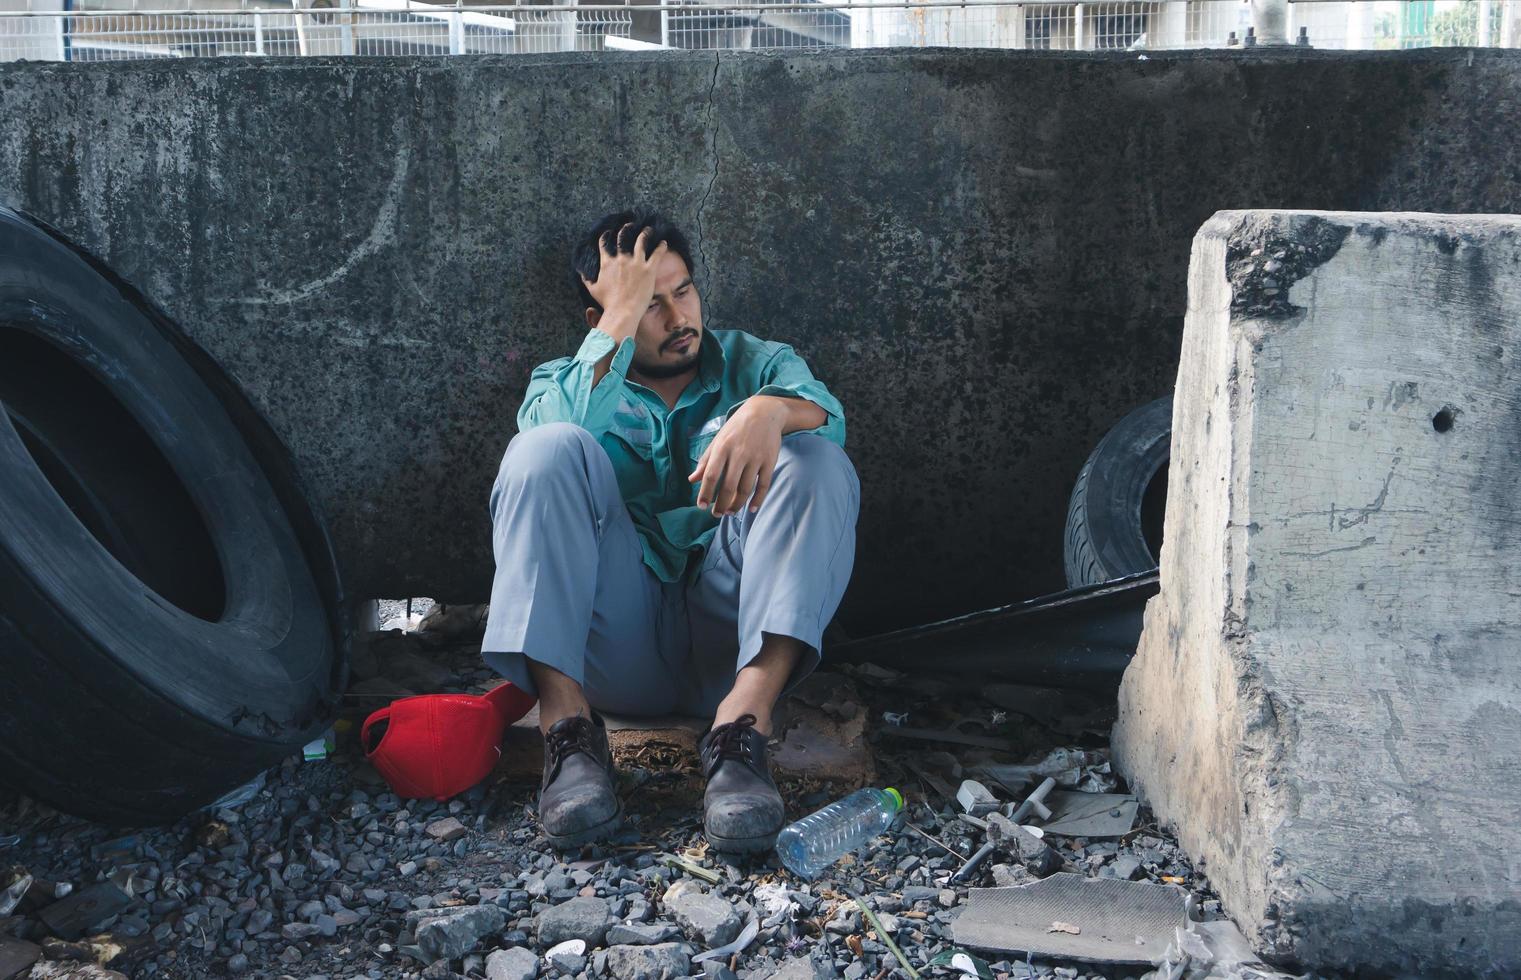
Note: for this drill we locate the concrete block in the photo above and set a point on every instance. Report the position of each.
(1326, 703)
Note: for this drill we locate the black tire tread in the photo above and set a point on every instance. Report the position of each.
(1082, 559)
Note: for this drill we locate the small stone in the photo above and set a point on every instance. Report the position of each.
(665, 961)
(1010, 875)
(1126, 867)
(512, 964)
(237, 963)
(568, 963)
(446, 830)
(455, 935)
(641, 933)
(704, 916)
(804, 968)
(438, 970)
(582, 918)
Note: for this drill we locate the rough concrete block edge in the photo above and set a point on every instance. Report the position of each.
(1263, 729)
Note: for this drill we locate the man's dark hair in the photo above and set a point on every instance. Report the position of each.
(586, 259)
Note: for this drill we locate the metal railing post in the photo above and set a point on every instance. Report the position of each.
(346, 29)
(258, 20)
(1270, 20)
(301, 45)
(1077, 29)
(456, 30)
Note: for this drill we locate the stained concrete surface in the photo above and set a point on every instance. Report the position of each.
(1326, 700)
(983, 252)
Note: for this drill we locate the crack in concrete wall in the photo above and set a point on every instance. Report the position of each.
(712, 129)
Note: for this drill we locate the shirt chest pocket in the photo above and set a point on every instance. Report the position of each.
(703, 438)
(633, 427)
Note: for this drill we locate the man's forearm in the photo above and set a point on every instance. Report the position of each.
(795, 414)
(618, 326)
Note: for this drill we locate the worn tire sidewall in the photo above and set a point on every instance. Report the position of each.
(1104, 514)
(94, 659)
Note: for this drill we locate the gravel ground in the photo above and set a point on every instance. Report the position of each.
(323, 873)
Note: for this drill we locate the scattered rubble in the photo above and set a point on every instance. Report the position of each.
(320, 871)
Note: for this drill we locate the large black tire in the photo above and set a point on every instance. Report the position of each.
(1114, 519)
(171, 619)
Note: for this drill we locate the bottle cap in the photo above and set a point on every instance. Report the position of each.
(897, 797)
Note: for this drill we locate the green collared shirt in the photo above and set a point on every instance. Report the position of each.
(653, 449)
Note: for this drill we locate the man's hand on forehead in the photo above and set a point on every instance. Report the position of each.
(626, 272)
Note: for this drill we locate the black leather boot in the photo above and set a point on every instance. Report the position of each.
(577, 800)
(741, 810)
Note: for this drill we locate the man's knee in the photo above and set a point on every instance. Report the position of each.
(819, 462)
(545, 448)
(540, 456)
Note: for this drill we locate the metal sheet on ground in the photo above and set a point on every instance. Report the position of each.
(1093, 815)
(1116, 921)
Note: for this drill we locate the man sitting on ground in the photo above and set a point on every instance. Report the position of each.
(674, 526)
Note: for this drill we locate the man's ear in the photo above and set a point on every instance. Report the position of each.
(593, 317)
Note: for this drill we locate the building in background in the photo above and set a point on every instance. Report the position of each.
(93, 30)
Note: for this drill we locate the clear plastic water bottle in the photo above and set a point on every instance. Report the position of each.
(822, 838)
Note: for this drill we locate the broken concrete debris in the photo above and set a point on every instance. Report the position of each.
(1099, 920)
(1023, 845)
(323, 871)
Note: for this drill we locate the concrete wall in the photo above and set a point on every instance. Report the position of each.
(1326, 701)
(983, 252)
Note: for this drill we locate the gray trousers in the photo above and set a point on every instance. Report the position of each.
(572, 590)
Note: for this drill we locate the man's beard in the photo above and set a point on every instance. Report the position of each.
(661, 371)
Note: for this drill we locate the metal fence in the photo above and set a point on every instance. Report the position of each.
(116, 29)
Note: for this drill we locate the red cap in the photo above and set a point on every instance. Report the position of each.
(437, 745)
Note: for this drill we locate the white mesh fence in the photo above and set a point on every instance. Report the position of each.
(118, 29)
